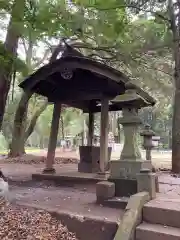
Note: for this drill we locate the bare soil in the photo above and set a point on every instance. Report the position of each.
(79, 200)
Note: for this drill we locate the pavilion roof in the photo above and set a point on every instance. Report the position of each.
(81, 82)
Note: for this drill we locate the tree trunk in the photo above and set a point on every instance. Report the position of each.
(11, 45)
(176, 133)
(34, 119)
(174, 13)
(114, 123)
(41, 142)
(17, 148)
(62, 127)
(18, 121)
(119, 133)
(17, 144)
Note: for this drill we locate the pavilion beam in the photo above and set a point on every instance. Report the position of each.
(104, 135)
(53, 139)
(91, 129)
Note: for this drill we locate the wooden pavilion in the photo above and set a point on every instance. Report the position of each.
(83, 83)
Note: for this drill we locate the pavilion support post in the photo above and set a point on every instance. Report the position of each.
(53, 139)
(91, 129)
(104, 135)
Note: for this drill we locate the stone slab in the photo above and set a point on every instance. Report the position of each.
(156, 232)
(116, 202)
(167, 212)
(69, 178)
(127, 169)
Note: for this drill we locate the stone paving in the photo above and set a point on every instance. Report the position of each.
(169, 189)
(76, 200)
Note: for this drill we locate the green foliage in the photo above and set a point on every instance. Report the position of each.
(140, 47)
(72, 120)
(5, 5)
(5, 57)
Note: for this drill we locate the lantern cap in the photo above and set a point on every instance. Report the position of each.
(130, 96)
(130, 85)
(147, 131)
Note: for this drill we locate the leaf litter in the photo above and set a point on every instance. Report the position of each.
(20, 223)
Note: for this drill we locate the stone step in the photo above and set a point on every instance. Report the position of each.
(70, 178)
(147, 231)
(116, 202)
(86, 226)
(165, 212)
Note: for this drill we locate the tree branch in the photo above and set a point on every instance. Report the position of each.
(133, 6)
(46, 53)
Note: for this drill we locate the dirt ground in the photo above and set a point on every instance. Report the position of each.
(169, 185)
(160, 159)
(77, 200)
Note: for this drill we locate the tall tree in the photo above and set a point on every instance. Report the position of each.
(166, 12)
(41, 23)
(10, 47)
(174, 16)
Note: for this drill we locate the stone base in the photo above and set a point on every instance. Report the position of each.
(85, 167)
(104, 190)
(89, 159)
(49, 171)
(127, 169)
(157, 184)
(124, 187)
(147, 182)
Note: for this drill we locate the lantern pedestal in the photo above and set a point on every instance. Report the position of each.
(124, 175)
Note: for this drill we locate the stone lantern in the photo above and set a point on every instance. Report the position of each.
(123, 172)
(131, 102)
(148, 145)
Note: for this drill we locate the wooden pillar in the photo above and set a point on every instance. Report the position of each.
(53, 139)
(91, 129)
(104, 134)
